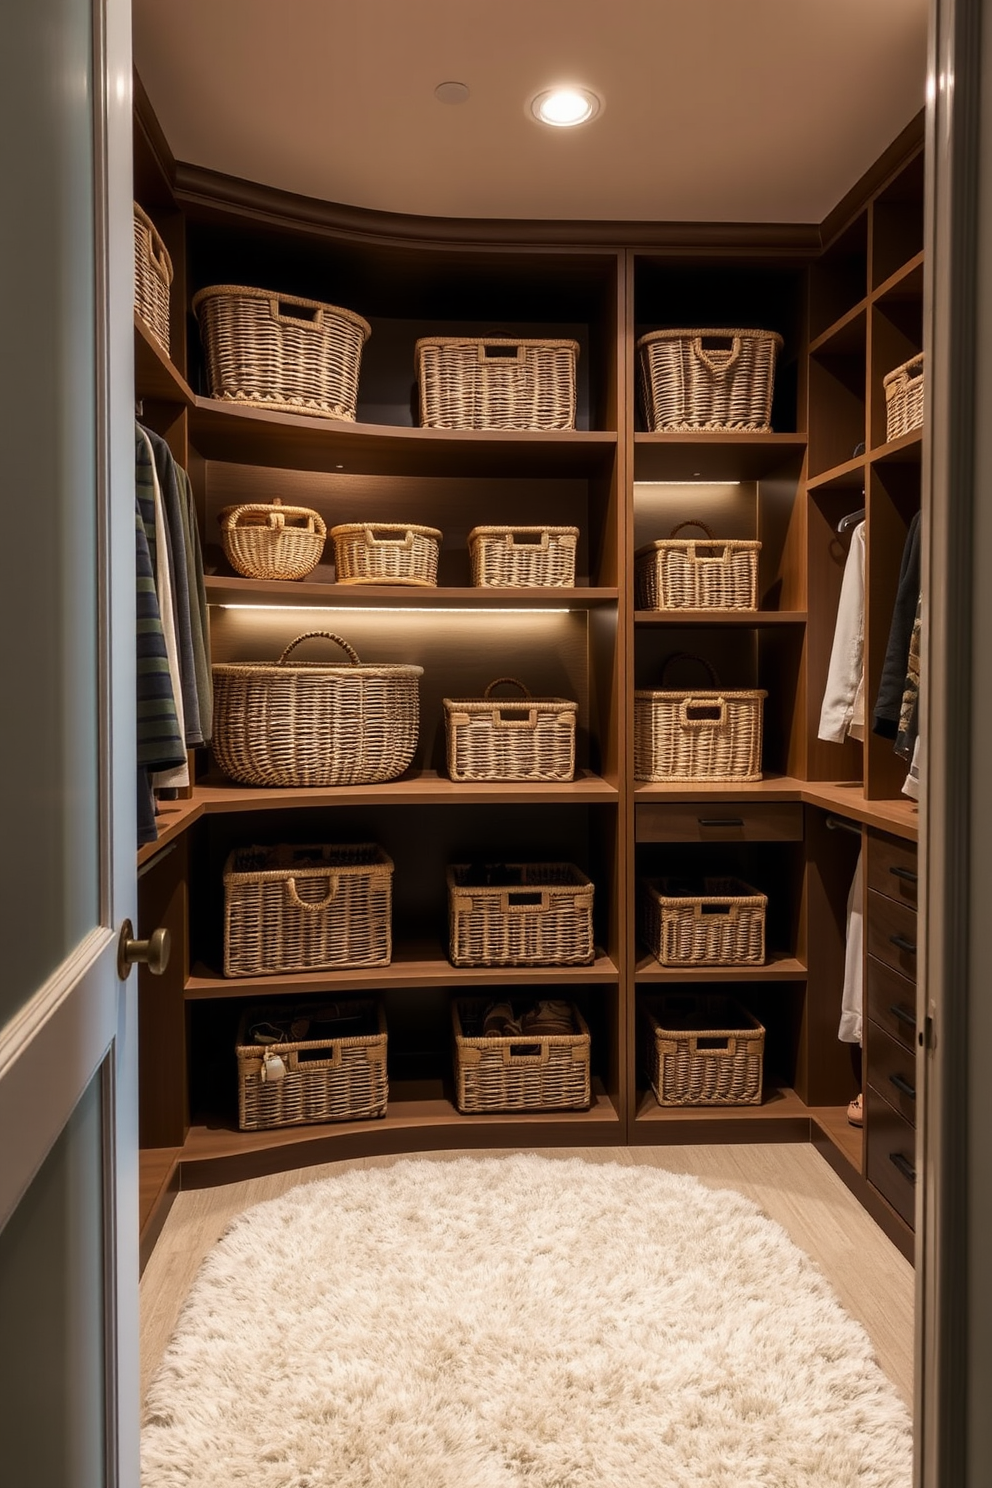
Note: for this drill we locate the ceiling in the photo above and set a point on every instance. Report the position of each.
(714, 110)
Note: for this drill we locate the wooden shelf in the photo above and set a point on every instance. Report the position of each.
(780, 967)
(782, 1117)
(756, 619)
(155, 377)
(414, 964)
(905, 284)
(259, 436)
(848, 476)
(173, 818)
(847, 798)
(845, 337)
(716, 455)
(907, 450)
(771, 788)
(848, 1139)
(416, 788)
(233, 590)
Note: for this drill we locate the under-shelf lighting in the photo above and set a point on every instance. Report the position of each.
(687, 483)
(396, 609)
(565, 107)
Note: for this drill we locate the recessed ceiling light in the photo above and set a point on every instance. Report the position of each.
(451, 92)
(565, 107)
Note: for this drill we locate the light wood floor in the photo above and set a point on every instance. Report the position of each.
(791, 1183)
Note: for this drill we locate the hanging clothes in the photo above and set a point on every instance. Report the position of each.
(199, 622)
(888, 705)
(843, 710)
(852, 999)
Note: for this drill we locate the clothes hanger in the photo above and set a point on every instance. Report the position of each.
(851, 520)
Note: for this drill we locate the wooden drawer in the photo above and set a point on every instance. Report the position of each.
(890, 1070)
(720, 821)
(890, 1143)
(891, 933)
(892, 867)
(891, 1002)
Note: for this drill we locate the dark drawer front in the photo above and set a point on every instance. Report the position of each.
(891, 1072)
(892, 868)
(891, 933)
(891, 1147)
(721, 821)
(891, 1002)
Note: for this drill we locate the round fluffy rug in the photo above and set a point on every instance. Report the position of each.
(517, 1322)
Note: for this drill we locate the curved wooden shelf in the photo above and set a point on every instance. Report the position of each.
(231, 589)
(155, 377)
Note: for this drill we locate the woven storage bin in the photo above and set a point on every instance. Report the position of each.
(689, 383)
(904, 398)
(519, 914)
(268, 350)
(707, 735)
(312, 908)
(697, 574)
(272, 542)
(545, 1072)
(715, 922)
(386, 553)
(312, 722)
(497, 739)
(704, 1051)
(318, 1078)
(152, 278)
(523, 557)
(473, 382)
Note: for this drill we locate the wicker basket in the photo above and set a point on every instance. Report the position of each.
(491, 739)
(547, 1072)
(315, 723)
(386, 553)
(272, 542)
(715, 922)
(689, 574)
(904, 398)
(520, 914)
(152, 278)
(313, 908)
(704, 1051)
(708, 735)
(472, 382)
(267, 350)
(327, 1076)
(689, 384)
(523, 557)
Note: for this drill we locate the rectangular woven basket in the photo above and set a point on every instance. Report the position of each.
(547, 1072)
(152, 277)
(386, 553)
(703, 1051)
(523, 557)
(329, 1077)
(268, 350)
(708, 379)
(716, 922)
(494, 382)
(710, 734)
(510, 739)
(520, 914)
(904, 398)
(697, 573)
(309, 908)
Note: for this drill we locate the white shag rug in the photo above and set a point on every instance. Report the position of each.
(517, 1322)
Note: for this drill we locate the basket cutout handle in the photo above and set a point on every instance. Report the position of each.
(514, 715)
(723, 1048)
(510, 539)
(718, 361)
(329, 1055)
(726, 910)
(308, 317)
(528, 1053)
(690, 656)
(508, 681)
(487, 352)
(693, 522)
(702, 712)
(325, 635)
(388, 542)
(523, 901)
(313, 906)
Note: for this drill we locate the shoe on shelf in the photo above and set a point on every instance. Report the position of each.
(855, 1112)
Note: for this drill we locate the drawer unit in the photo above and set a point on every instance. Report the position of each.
(891, 1071)
(720, 821)
(891, 933)
(890, 1143)
(892, 867)
(890, 1002)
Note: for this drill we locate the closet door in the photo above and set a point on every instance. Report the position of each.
(68, 1200)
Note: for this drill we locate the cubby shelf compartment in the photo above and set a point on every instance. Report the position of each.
(716, 455)
(849, 474)
(756, 619)
(906, 450)
(155, 376)
(780, 967)
(230, 590)
(846, 336)
(905, 284)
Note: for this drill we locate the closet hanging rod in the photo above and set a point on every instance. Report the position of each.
(851, 520)
(838, 824)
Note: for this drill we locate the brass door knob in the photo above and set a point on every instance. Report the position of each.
(153, 952)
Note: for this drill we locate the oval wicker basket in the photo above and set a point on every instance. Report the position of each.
(152, 278)
(386, 553)
(687, 384)
(697, 573)
(268, 350)
(272, 542)
(315, 723)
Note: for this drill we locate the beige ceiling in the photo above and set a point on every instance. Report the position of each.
(733, 110)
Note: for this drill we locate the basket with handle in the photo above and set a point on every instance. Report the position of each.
(520, 914)
(386, 553)
(335, 1070)
(703, 1051)
(500, 739)
(719, 922)
(269, 350)
(904, 398)
(708, 734)
(697, 574)
(708, 379)
(309, 908)
(315, 723)
(272, 541)
(152, 277)
(523, 557)
(496, 382)
(532, 1072)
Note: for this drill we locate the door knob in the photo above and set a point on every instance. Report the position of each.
(153, 952)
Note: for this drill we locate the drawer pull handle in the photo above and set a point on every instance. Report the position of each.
(902, 1016)
(903, 1086)
(903, 944)
(903, 1166)
(720, 821)
(905, 873)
